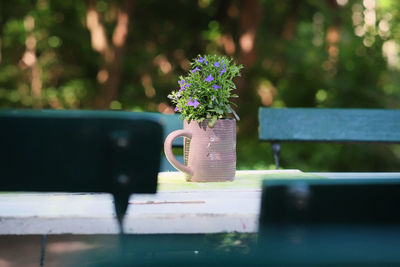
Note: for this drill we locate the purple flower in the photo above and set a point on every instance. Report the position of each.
(175, 97)
(193, 102)
(213, 98)
(201, 60)
(209, 78)
(216, 64)
(184, 86)
(215, 87)
(177, 109)
(195, 69)
(223, 70)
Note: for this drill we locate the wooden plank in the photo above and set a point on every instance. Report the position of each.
(165, 212)
(244, 180)
(329, 125)
(178, 207)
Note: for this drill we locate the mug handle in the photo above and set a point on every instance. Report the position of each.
(168, 150)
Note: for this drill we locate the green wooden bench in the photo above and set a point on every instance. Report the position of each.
(330, 221)
(80, 151)
(327, 125)
(170, 122)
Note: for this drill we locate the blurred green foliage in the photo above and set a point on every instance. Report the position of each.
(305, 53)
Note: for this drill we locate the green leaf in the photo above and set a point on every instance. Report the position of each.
(236, 115)
(212, 122)
(234, 104)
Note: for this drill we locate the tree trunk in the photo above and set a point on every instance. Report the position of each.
(109, 75)
(249, 22)
(250, 18)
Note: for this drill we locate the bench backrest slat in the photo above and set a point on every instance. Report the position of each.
(329, 125)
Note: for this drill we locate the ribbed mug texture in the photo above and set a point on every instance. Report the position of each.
(212, 151)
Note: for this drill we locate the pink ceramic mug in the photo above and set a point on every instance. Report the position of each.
(210, 156)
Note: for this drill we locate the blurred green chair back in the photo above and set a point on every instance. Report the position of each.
(80, 151)
(335, 221)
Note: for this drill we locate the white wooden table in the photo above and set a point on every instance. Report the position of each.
(178, 207)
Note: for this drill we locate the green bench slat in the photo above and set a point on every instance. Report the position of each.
(329, 125)
(167, 167)
(170, 122)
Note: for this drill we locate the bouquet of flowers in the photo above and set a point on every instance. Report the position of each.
(206, 91)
